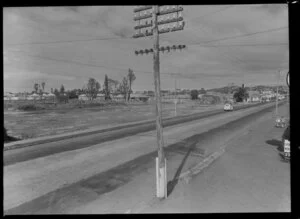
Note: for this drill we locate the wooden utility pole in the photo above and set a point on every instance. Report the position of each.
(142, 13)
(175, 102)
(277, 93)
(160, 142)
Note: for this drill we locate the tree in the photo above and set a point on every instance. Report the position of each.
(43, 85)
(62, 89)
(92, 88)
(194, 94)
(241, 94)
(202, 91)
(51, 90)
(36, 87)
(131, 78)
(113, 85)
(106, 89)
(56, 92)
(124, 88)
(72, 94)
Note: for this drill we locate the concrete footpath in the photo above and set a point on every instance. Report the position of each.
(249, 177)
(138, 195)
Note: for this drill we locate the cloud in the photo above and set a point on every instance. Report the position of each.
(207, 65)
(12, 74)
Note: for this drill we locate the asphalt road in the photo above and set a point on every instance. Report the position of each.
(56, 183)
(86, 140)
(249, 177)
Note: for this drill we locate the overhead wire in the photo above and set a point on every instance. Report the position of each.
(239, 36)
(67, 41)
(113, 38)
(90, 65)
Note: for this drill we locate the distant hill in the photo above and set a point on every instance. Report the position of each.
(224, 90)
(259, 88)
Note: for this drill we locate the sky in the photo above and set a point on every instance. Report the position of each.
(68, 45)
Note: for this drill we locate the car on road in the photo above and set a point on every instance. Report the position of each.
(228, 107)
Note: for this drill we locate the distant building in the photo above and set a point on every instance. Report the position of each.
(254, 96)
(82, 97)
(139, 97)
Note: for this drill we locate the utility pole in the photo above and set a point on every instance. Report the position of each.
(288, 91)
(161, 172)
(277, 93)
(144, 12)
(175, 98)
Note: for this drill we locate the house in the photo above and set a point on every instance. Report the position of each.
(100, 97)
(184, 96)
(35, 96)
(139, 97)
(200, 96)
(254, 96)
(118, 97)
(82, 97)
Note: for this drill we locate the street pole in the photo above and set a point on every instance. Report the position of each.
(161, 167)
(161, 184)
(175, 98)
(277, 94)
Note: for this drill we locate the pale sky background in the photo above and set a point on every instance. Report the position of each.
(67, 45)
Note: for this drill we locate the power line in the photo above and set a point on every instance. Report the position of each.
(67, 41)
(237, 45)
(90, 65)
(239, 36)
(222, 9)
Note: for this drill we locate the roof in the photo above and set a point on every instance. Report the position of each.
(138, 96)
(251, 93)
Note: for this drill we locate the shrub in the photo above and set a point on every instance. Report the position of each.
(62, 98)
(30, 107)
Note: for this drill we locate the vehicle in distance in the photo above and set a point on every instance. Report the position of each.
(228, 107)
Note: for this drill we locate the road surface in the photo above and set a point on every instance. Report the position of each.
(32, 185)
(249, 177)
(89, 139)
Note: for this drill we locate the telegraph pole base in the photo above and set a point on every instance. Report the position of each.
(161, 179)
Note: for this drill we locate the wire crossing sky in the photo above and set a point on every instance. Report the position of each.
(68, 45)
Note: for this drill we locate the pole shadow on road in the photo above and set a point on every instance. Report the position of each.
(172, 183)
(279, 146)
(276, 143)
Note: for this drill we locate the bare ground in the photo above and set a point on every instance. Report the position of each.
(25, 125)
